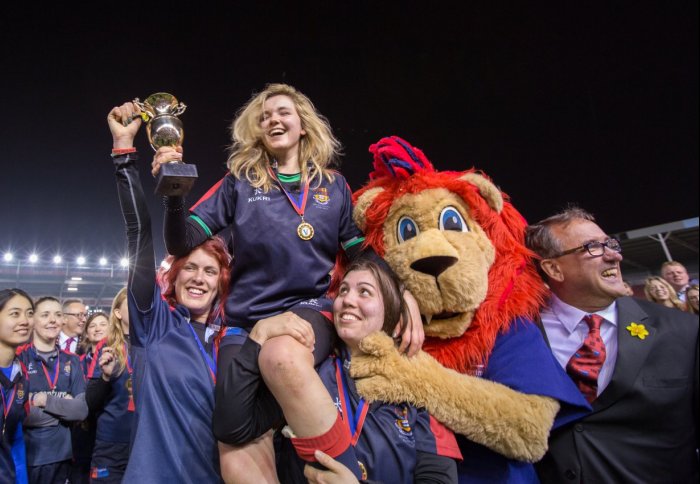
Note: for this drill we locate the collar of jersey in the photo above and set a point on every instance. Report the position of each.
(289, 178)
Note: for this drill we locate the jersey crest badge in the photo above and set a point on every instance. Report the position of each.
(401, 422)
(321, 196)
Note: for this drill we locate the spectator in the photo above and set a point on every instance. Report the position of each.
(57, 397)
(16, 320)
(96, 328)
(74, 319)
(628, 288)
(676, 274)
(637, 364)
(109, 397)
(657, 290)
(692, 299)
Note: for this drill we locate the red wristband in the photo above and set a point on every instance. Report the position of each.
(123, 151)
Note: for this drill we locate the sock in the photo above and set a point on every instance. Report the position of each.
(335, 442)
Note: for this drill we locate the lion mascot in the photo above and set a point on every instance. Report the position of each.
(485, 370)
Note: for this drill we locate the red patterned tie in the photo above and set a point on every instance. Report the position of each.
(584, 366)
(67, 344)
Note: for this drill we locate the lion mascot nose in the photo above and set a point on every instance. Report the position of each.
(434, 265)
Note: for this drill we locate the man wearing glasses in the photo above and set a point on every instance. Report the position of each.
(74, 319)
(636, 362)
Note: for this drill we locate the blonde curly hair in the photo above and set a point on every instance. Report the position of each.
(318, 149)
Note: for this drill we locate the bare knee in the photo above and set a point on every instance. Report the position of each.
(284, 361)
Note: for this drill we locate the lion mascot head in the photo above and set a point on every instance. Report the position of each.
(457, 244)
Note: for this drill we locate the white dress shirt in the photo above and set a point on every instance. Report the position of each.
(62, 337)
(566, 332)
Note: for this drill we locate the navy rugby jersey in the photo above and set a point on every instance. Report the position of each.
(392, 434)
(273, 268)
(174, 398)
(114, 421)
(62, 376)
(14, 392)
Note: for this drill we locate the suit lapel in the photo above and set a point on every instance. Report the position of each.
(631, 351)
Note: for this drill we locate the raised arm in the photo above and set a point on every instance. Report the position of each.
(124, 123)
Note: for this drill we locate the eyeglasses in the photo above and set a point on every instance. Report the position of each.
(77, 315)
(596, 249)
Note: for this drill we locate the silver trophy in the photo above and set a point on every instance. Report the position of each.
(160, 111)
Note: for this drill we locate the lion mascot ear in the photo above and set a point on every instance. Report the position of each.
(488, 190)
(365, 200)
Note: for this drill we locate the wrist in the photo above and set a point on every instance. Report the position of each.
(123, 151)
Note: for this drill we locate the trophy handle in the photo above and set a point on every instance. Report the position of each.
(179, 109)
(146, 113)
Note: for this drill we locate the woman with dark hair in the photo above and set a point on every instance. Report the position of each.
(16, 313)
(389, 443)
(172, 336)
(57, 398)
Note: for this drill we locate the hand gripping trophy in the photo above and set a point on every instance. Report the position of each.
(160, 111)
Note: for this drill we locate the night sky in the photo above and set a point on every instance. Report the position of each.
(587, 102)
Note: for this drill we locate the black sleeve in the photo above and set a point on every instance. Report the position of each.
(142, 271)
(181, 233)
(433, 468)
(96, 394)
(245, 409)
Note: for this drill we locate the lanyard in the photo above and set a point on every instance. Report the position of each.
(355, 422)
(211, 364)
(128, 360)
(7, 403)
(54, 382)
(299, 206)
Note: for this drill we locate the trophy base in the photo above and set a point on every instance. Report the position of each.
(175, 179)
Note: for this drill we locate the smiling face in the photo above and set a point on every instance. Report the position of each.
(97, 329)
(580, 279)
(16, 321)
(358, 310)
(658, 291)
(48, 320)
(281, 126)
(196, 284)
(74, 319)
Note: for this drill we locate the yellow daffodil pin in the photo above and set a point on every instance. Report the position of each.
(638, 330)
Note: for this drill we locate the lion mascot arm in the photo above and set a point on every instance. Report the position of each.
(511, 423)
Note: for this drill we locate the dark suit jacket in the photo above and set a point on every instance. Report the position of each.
(644, 426)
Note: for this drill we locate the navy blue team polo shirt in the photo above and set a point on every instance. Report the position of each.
(273, 268)
(46, 445)
(15, 391)
(392, 434)
(174, 397)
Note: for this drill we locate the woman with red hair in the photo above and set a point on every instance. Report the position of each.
(172, 328)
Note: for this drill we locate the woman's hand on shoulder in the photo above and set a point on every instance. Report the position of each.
(288, 324)
(124, 122)
(413, 334)
(165, 154)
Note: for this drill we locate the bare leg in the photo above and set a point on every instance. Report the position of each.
(253, 463)
(288, 370)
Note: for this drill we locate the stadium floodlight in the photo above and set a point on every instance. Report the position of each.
(33, 258)
(103, 261)
(57, 259)
(124, 262)
(80, 260)
(8, 256)
(72, 289)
